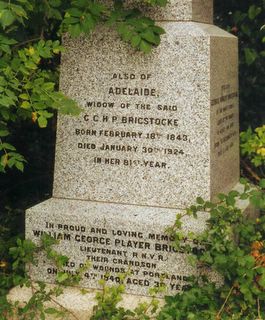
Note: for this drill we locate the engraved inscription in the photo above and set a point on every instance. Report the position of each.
(157, 128)
(225, 120)
(113, 251)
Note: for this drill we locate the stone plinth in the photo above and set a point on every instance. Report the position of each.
(156, 130)
(115, 239)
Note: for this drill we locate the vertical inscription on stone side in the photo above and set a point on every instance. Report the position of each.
(225, 110)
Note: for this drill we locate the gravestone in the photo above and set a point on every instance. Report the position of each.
(156, 132)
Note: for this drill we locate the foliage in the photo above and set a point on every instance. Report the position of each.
(253, 153)
(23, 254)
(30, 43)
(108, 300)
(246, 20)
(234, 247)
(253, 145)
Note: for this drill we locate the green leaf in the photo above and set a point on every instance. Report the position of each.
(135, 41)
(74, 12)
(243, 181)
(7, 146)
(24, 96)
(61, 277)
(200, 200)
(75, 30)
(30, 65)
(262, 281)
(42, 121)
(233, 193)
(262, 183)
(88, 23)
(125, 31)
(253, 12)
(6, 40)
(3, 5)
(250, 55)
(4, 160)
(55, 3)
(145, 46)
(4, 132)
(80, 3)
(19, 11)
(150, 37)
(6, 18)
(6, 101)
(48, 86)
(19, 165)
(71, 20)
(158, 30)
(51, 311)
(25, 105)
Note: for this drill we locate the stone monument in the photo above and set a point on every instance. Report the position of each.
(156, 132)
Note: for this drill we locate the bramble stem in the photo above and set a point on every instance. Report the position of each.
(218, 316)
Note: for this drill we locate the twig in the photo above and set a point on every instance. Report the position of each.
(225, 302)
(58, 304)
(64, 308)
(249, 170)
(259, 315)
(27, 41)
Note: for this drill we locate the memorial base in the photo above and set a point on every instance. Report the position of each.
(79, 306)
(117, 239)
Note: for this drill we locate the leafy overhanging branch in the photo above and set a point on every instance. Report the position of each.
(30, 46)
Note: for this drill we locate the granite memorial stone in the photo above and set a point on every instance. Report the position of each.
(156, 132)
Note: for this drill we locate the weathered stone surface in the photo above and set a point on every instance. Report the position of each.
(115, 239)
(130, 218)
(191, 96)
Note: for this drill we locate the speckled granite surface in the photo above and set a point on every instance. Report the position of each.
(156, 132)
(164, 148)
